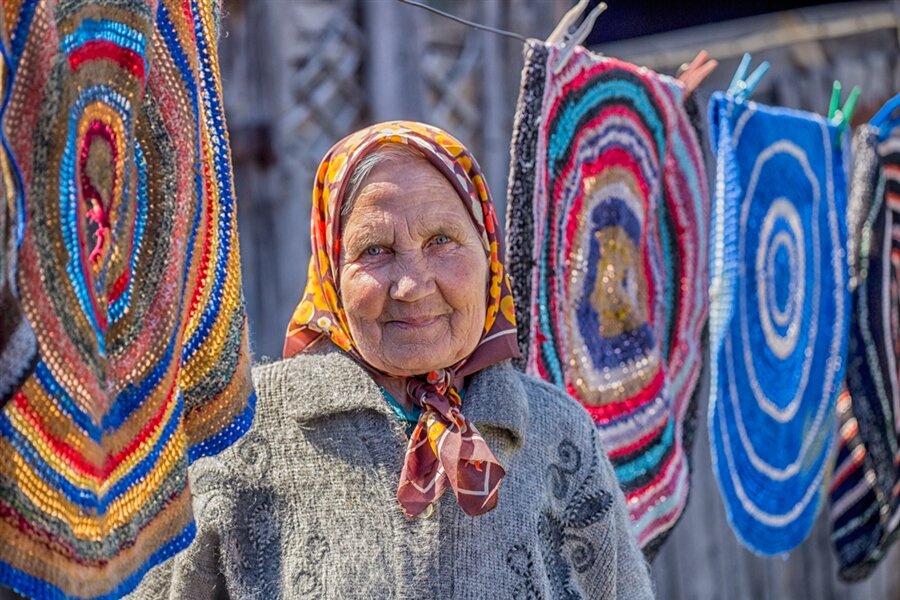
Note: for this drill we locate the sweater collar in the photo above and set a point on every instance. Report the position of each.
(326, 381)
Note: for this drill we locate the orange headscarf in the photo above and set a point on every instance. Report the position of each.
(445, 449)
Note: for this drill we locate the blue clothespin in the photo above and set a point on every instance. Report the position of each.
(742, 86)
(888, 118)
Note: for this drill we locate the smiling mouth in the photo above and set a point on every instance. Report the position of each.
(414, 323)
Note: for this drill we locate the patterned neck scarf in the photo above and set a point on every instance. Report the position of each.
(445, 449)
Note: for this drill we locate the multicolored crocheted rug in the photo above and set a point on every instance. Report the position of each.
(129, 273)
(865, 488)
(18, 346)
(607, 203)
(778, 315)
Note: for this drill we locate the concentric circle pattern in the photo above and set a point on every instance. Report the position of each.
(129, 274)
(618, 285)
(780, 311)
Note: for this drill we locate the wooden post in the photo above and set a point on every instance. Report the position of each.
(495, 114)
(392, 73)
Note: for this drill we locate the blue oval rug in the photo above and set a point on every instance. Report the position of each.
(778, 315)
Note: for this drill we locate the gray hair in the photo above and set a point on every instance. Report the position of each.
(389, 153)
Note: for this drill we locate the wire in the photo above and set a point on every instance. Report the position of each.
(503, 32)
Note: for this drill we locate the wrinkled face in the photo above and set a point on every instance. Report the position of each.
(413, 271)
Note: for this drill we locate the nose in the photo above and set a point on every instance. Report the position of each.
(413, 279)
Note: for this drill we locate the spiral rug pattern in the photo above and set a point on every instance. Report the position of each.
(128, 271)
(617, 289)
(778, 315)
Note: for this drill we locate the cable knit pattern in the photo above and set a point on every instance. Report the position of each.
(303, 506)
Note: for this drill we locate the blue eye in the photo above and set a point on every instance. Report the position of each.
(441, 239)
(374, 250)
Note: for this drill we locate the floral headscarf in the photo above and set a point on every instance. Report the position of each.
(445, 449)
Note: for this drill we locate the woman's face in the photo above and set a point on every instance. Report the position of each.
(413, 271)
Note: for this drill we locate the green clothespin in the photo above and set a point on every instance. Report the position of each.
(835, 99)
(841, 116)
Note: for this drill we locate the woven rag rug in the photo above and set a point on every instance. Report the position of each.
(18, 346)
(865, 487)
(607, 202)
(779, 307)
(128, 271)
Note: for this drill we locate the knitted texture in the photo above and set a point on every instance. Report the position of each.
(778, 315)
(304, 505)
(695, 107)
(617, 290)
(520, 197)
(865, 488)
(18, 346)
(128, 270)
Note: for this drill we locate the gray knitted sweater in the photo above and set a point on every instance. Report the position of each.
(304, 506)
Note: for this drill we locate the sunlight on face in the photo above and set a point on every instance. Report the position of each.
(413, 271)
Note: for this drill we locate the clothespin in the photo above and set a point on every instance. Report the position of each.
(692, 74)
(561, 31)
(841, 116)
(888, 117)
(742, 86)
(560, 34)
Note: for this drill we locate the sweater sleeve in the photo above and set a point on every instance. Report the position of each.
(605, 559)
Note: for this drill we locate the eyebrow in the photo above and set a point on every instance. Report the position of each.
(366, 236)
(454, 228)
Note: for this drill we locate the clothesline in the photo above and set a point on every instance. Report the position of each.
(473, 24)
(796, 33)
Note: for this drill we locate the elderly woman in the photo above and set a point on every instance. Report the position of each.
(395, 388)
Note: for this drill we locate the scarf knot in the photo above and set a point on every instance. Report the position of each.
(435, 391)
(446, 450)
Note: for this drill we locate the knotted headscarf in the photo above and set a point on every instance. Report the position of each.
(445, 449)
